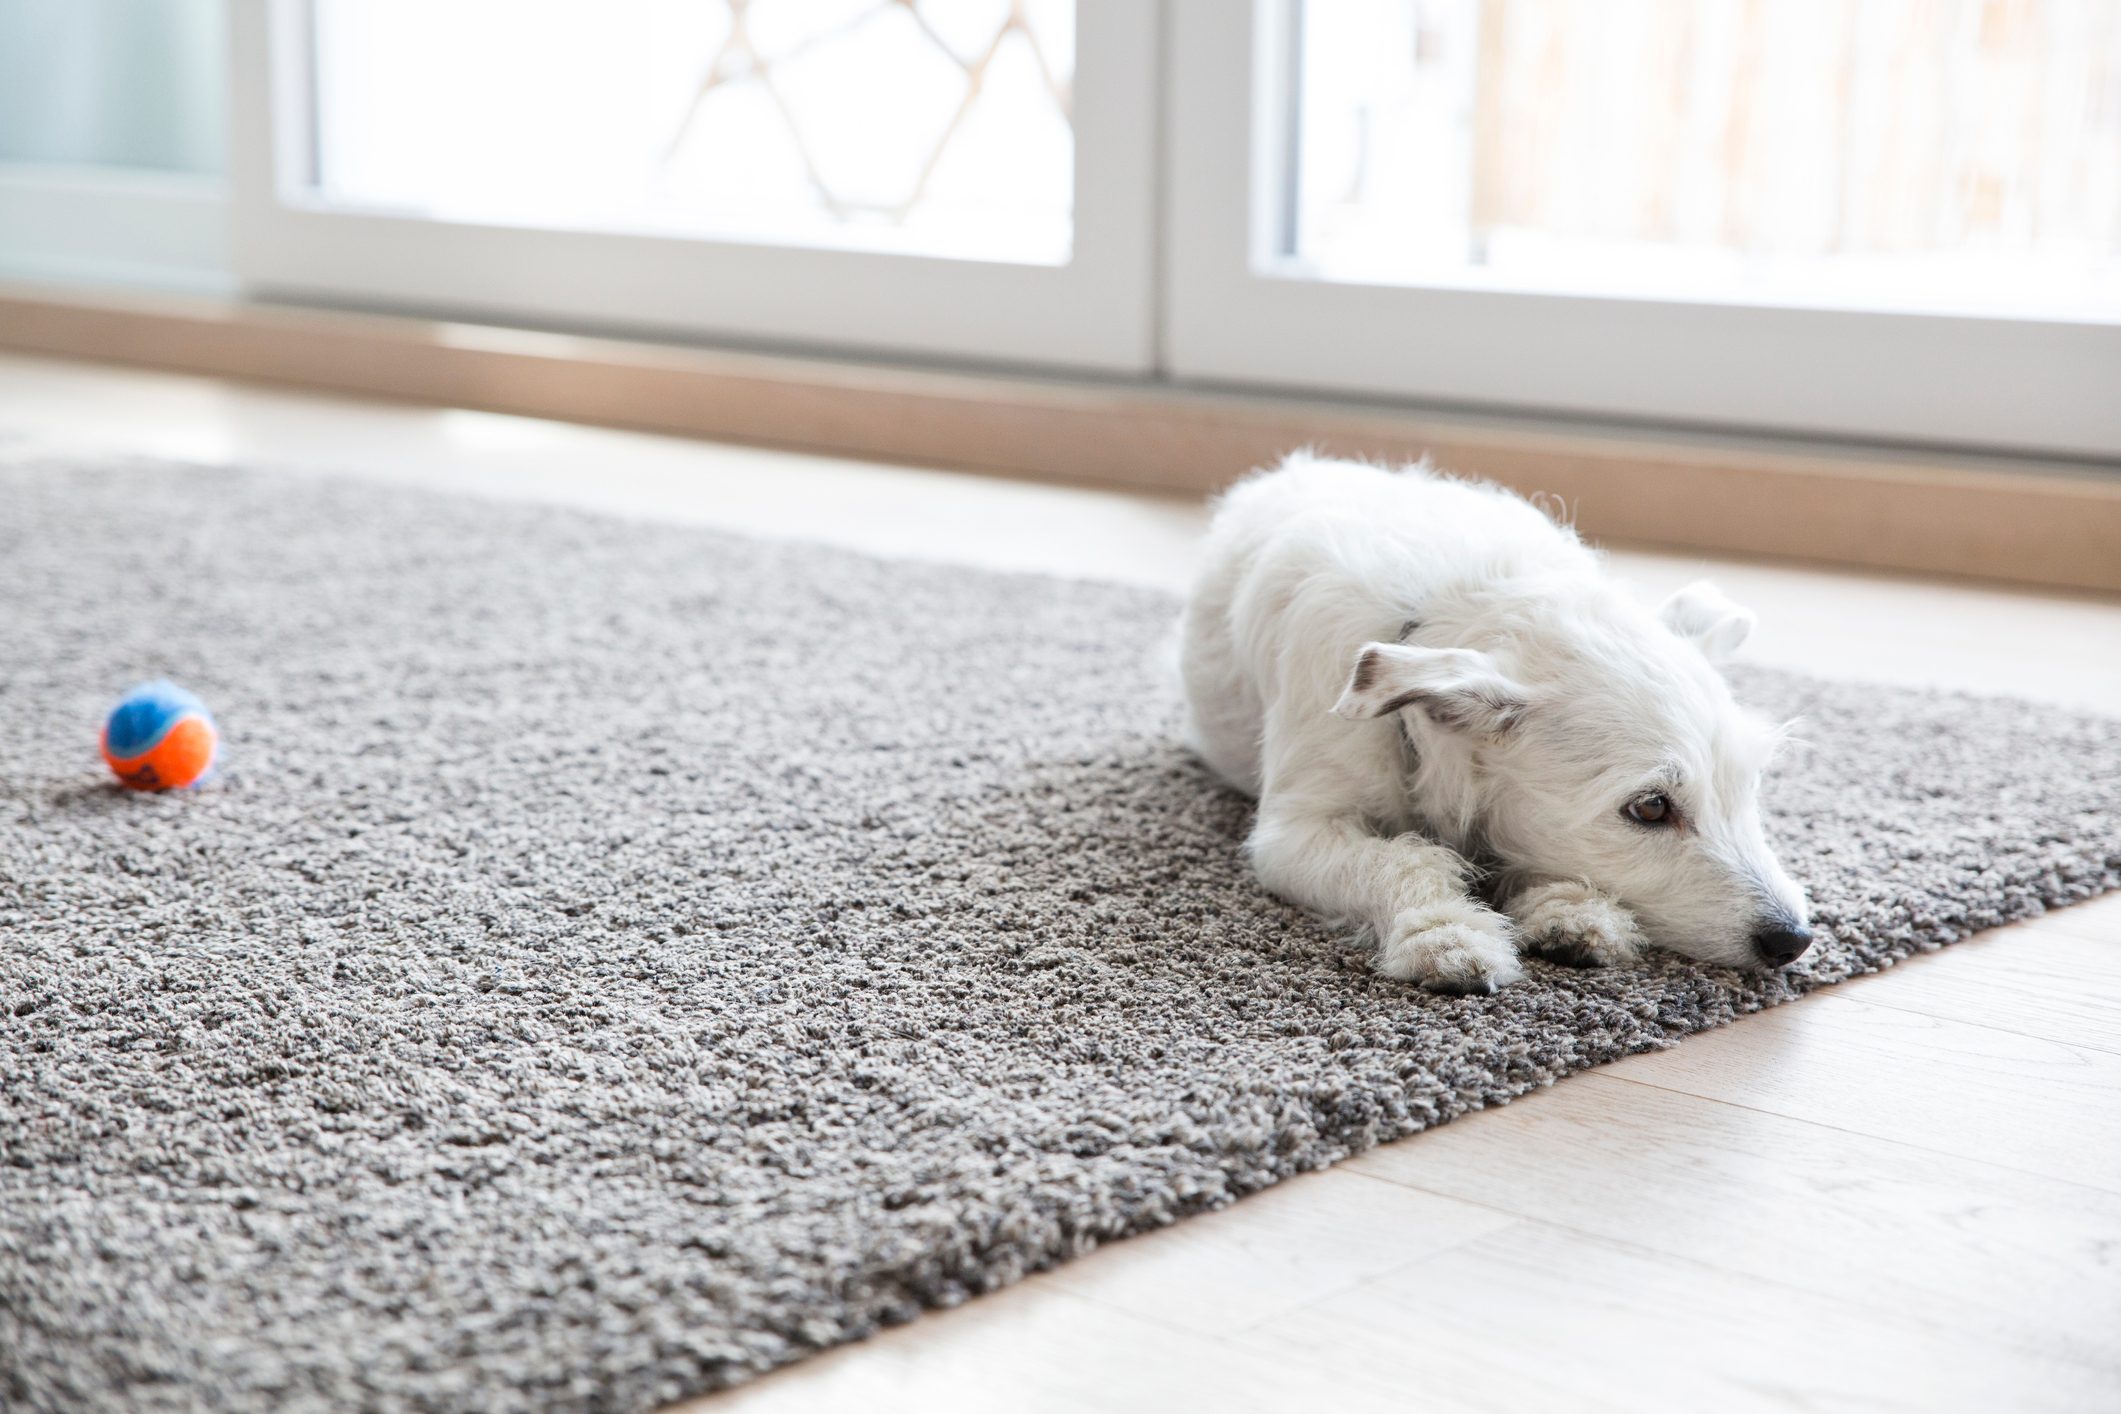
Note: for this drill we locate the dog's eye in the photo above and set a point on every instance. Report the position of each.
(1651, 810)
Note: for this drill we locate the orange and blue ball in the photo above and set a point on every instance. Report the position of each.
(160, 737)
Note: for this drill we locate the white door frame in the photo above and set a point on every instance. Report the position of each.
(1096, 312)
(1231, 316)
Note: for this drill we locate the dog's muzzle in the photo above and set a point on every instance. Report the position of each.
(1779, 944)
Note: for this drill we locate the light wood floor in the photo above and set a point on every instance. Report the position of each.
(1904, 1193)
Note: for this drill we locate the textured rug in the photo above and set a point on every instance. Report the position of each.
(616, 960)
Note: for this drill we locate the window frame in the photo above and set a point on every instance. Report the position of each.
(124, 226)
(1235, 313)
(1096, 312)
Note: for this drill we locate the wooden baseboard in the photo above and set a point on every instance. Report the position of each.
(1935, 514)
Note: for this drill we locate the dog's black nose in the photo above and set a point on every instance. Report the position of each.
(1779, 946)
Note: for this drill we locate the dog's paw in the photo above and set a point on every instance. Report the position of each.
(1578, 928)
(1455, 948)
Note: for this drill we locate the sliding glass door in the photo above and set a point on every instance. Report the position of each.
(966, 180)
(1885, 218)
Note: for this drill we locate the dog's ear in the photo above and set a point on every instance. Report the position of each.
(1702, 616)
(1458, 688)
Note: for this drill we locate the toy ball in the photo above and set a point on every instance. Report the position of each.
(160, 737)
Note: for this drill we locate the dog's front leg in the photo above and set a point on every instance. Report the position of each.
(1411, 892)
(1568, 921)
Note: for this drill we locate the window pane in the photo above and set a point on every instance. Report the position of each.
(112, 83)
(1959, 154)
(930, 126)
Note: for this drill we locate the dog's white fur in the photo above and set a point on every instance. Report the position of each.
(1428, 683)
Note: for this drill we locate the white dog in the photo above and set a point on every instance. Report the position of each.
(1428, 684)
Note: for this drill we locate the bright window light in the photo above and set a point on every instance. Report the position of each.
(933, 127)
(1956, 155)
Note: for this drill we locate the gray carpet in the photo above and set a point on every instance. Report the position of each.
(617, 960)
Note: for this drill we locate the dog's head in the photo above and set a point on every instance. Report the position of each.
(1585, 739)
